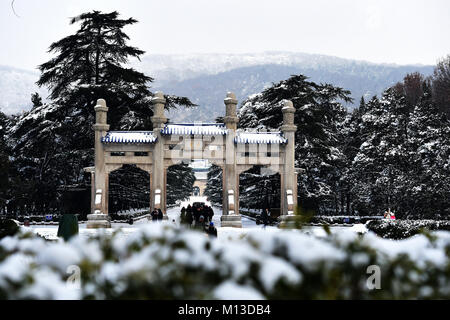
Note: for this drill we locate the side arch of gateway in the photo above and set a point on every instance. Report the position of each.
(222, 144)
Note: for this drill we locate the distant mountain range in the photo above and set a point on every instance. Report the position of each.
(205, 78)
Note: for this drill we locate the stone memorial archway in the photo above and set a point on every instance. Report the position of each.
(222, 144)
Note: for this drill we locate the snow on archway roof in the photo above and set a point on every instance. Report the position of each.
(129, 137)
(260, 137)
(194, 128)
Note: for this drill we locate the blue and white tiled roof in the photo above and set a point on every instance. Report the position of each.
(129, 137)
(259, 138)
(188, 128)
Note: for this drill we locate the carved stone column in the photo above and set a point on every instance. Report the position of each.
(99, 218)
(288, 174)
(158, 195)
(230, 216)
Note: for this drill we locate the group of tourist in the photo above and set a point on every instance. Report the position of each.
(199, 217)
(156, 214)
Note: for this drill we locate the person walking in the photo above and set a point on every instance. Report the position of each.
(154, 215)
(266, 217)
(211, 214)
(197, 214)
(160, 214)
(189, 217)
(183, 215)
(211, 231)
(200, 224)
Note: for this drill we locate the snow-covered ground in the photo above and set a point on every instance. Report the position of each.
(225, 233)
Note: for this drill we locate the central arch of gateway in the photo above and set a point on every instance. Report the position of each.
(234, 150)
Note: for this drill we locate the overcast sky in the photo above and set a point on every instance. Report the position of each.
(393, 31)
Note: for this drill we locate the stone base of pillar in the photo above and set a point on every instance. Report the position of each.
(288, 221)
(231, 221)
(97, 221)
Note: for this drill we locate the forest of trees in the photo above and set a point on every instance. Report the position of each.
(43, 151)
(392, 151)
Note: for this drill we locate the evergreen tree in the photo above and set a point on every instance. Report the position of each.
(214, 184)
(180, 181)
(402, 156)
(54, 142)
(318, 115)
(379, 164)
(36, 100)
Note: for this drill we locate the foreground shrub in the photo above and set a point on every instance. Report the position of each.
(159, 261)
(8, 227)
(402, 229)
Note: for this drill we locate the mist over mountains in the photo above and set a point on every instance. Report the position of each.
(205, 78)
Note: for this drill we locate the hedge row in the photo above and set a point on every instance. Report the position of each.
(402, 229)
(159, 261)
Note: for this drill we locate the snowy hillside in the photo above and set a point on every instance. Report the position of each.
(208, 91)
(16, 87)
(177, 67)
(205, 78)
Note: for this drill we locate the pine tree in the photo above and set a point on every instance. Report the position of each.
(379, 165)
(53, 142)
(36, 100)
(213, 189)
(180, 181)
(317, 138)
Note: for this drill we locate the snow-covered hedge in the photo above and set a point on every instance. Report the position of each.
(160, 261)
(402, 229)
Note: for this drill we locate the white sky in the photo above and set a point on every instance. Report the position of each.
(394, 31)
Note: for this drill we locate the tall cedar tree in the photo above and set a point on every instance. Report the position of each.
(54, 141)
(318, 113)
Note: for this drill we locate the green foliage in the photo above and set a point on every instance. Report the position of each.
(402, 229)
(162, 262)
(180, 181)
(53, 142)
(68, 226)
(8, 227)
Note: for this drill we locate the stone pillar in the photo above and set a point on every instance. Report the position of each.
(289, 177)
(230, 216)
(99, 218)
(158, 194)
(91, 170)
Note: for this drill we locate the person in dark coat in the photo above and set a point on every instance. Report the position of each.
(183, 215)
(210, 213)
(211, 231)
(189, 217)
(160, 214)
(154, 215)
(265, 217)
(197, 214)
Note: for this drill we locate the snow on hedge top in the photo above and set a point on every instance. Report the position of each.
(260, 137)
(193, 128)
(129, 137)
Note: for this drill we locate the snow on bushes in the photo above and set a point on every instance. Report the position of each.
(159, 261)
(402, 229)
